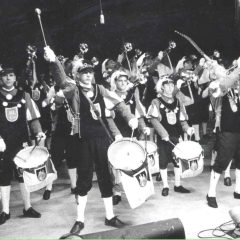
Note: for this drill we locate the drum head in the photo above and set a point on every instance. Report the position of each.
(187, 150)
(151, 146)
(27, 159)
(126, 155)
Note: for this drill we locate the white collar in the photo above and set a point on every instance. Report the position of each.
(8, 90)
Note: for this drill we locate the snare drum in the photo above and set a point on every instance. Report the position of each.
(189, 156)
(128, 158)
(152, 155)
(36, 167)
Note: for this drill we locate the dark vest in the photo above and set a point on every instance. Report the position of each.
(174, 130)
(123, 127)
(89, 124)
(230, 121)
(11, 131)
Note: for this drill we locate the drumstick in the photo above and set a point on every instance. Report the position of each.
(175, 146)
(130, 141)
(38, 12)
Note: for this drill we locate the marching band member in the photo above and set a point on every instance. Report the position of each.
(90, 135)
(17, 109)
(224, 93)
(131, 98)
(168, 117)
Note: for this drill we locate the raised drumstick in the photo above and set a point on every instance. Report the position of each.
(38, 12)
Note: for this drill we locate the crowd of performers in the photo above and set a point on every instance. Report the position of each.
(133, 98)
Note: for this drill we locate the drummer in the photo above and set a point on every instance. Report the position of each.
(16, 110)
(91, 137)
(130, 96)
(168, 117)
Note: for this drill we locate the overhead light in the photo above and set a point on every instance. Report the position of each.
(102, 21)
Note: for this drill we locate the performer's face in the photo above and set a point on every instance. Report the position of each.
(85, 76)
(188, 65)
(168, 88)
(8, 80)
(122, 83)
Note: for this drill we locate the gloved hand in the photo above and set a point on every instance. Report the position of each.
(2, 145)
(190, 131)
(49, 55)
(238, 62)
(160, 55)
(165, 139)
(133, 123)
(202, 62)
(41, 136)
(118, 137)
(146, 130)
(179, 83)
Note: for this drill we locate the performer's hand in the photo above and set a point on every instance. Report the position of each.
(190, 131)
(2, 145)
(133, 123)
(49, 55)
(202, 62)
(160, 55)
(41, 136)
(165, 139)
(118, 137)
(146, 130)
(179, 83)
(238, 62)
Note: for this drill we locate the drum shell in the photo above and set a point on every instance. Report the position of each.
(191, 160)
(152, 155)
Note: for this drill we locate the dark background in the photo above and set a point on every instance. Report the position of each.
(147, 24)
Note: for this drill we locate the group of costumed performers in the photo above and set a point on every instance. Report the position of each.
(76, 116)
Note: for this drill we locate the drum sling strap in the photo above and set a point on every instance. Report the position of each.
(131, 173)
(98, 116)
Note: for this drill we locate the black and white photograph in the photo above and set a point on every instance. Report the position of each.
(119, 119)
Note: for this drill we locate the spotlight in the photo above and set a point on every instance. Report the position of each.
(235, 215)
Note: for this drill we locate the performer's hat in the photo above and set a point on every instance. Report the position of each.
(165, 79)
(86, 64)
(80, 65)
(6, 69)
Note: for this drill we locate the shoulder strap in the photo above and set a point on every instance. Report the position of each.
(98, 116)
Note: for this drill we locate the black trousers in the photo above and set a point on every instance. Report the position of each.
(63, 148)
(7, 167)
(90, 152)
(165, 152)
(228, 148)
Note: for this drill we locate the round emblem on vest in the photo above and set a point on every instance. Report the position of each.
(9, 96)
(4, 104)
(23, 101)
(90, 94)
(19, 105)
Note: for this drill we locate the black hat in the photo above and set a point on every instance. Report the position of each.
(86, 64)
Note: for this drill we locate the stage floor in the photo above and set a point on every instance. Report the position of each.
(59, 213)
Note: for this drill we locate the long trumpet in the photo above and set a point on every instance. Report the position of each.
(232, 68)
(194, 44)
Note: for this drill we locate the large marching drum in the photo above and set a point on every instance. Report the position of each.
(129, 165)
(36, 167)
(189, 156)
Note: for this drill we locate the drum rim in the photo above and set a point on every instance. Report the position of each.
(30, 147)
(122, 140)
(151, 143)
